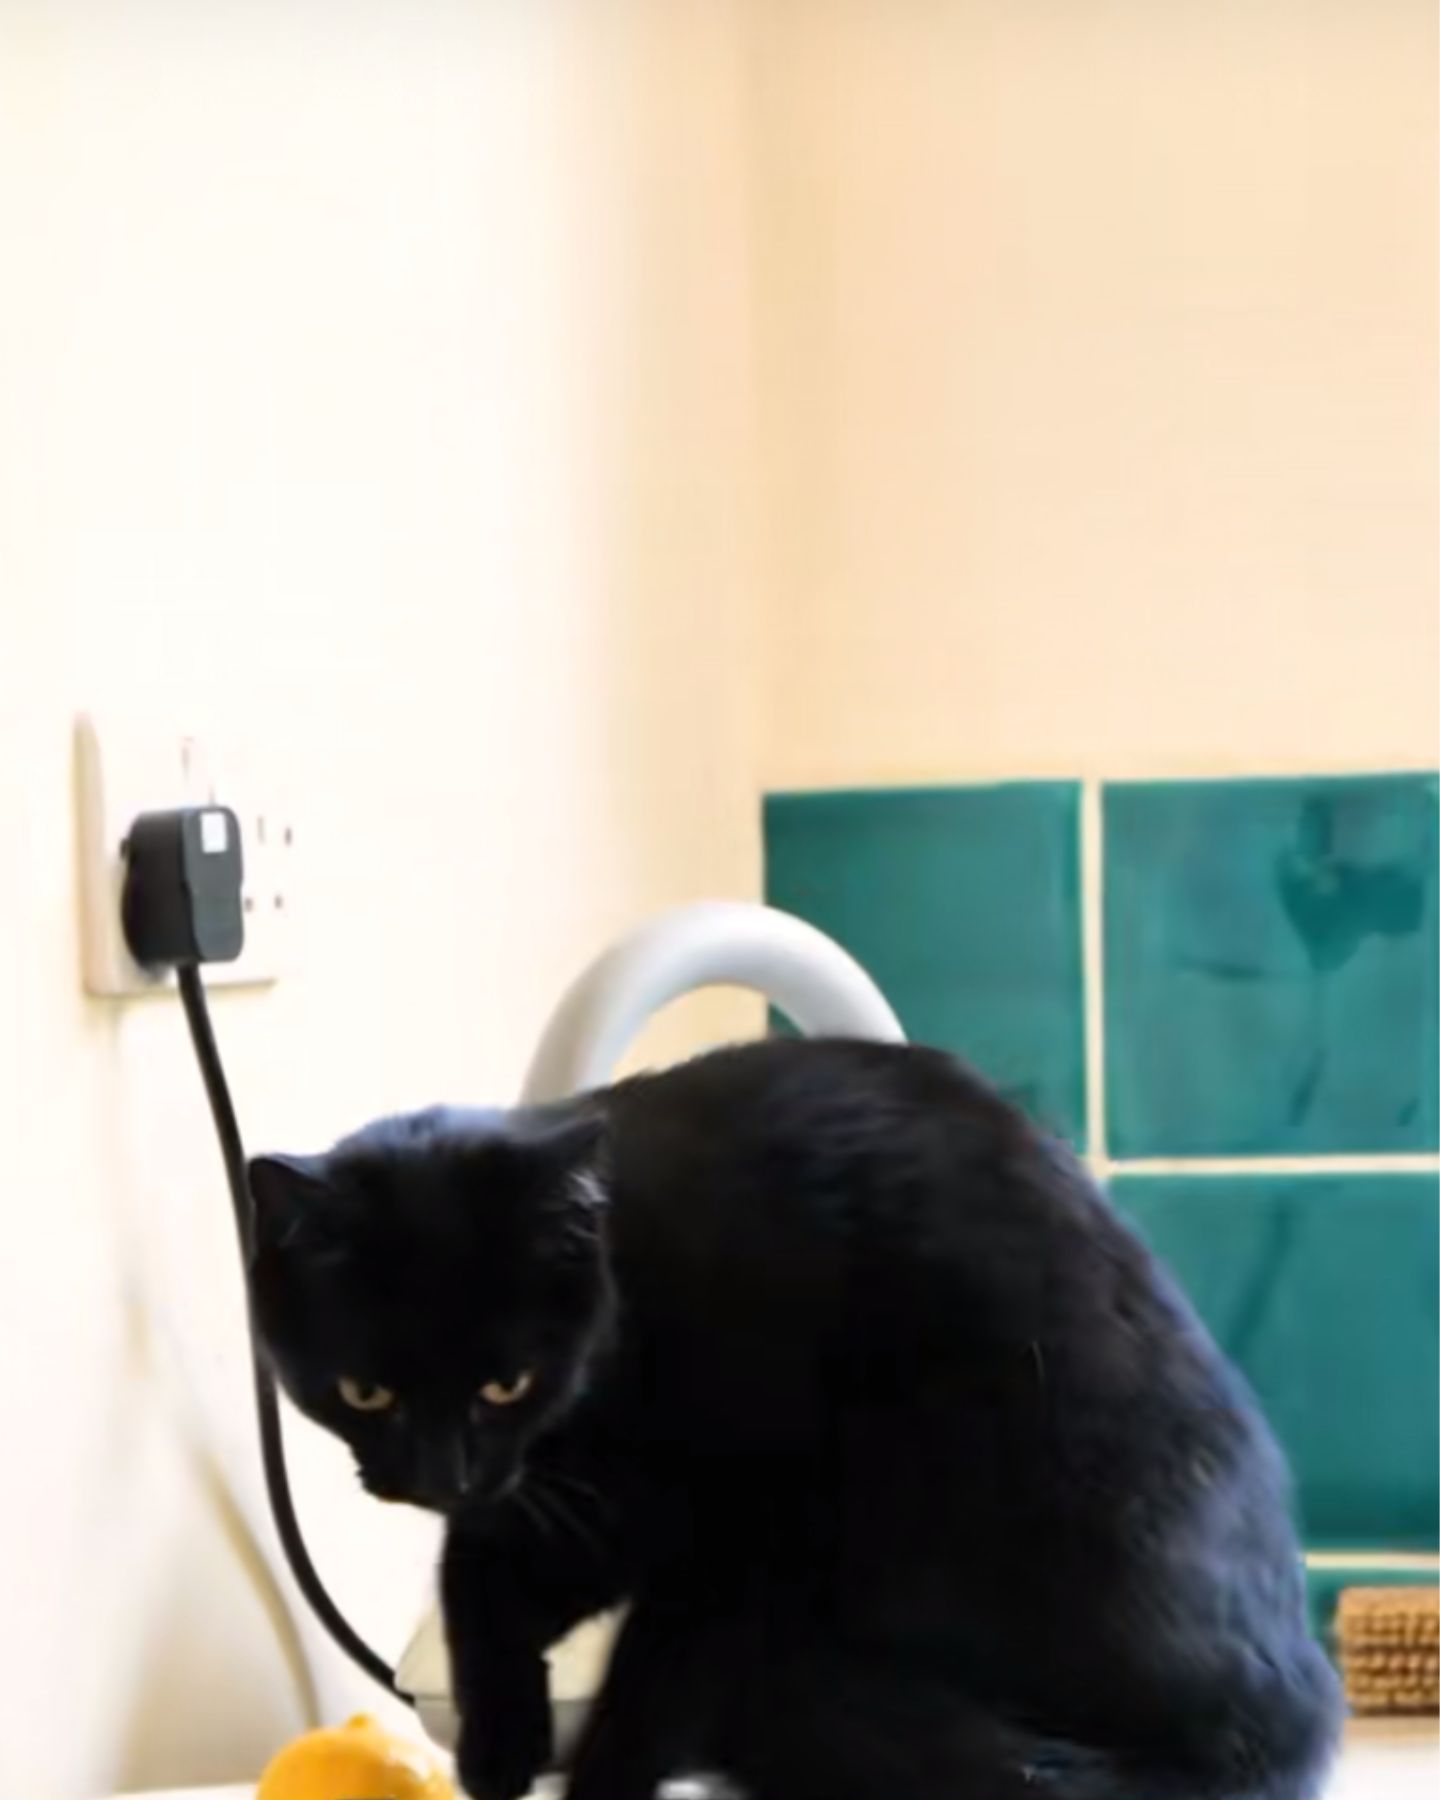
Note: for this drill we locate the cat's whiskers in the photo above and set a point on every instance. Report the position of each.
(528, 1503)
(564, 1515)
(585, 1489)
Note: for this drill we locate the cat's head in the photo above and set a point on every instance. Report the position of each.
(434, 1290)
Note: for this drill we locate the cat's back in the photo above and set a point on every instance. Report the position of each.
(753, 1189)
(870, 1190)
(826, 1111)
(878, 1218)
(895, 1144)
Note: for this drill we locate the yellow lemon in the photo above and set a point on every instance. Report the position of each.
(358, 1761)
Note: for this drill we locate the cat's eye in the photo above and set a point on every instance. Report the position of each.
(365, 1396)
(506, 1393)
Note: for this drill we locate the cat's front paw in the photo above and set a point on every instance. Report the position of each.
(506, 1742)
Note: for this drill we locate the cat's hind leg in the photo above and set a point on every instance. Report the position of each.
(671, 1701)
(730, 1709)
(838, 1724)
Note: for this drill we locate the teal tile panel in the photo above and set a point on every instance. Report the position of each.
(1272, 966)
(963, 903)
(1322, 1288)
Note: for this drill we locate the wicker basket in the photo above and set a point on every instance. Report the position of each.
(1389, 1643)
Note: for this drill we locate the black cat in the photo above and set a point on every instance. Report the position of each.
(919, 1479)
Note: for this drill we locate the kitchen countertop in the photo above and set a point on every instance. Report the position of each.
(1382, 1760)
(1390, 1759)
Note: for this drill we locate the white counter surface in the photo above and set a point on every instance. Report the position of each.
(1399, 1761)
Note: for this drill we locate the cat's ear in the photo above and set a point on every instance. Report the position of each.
(578, 1153)
(572, 1144)
(565, 1158)
(292, 1197)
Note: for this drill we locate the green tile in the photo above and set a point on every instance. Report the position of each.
(1322, 1288)
(963, 903)
(1271, 966)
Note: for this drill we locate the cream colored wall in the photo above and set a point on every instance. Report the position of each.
(374, 377)
(1100, 360)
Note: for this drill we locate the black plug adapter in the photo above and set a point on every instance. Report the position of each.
(183, 873)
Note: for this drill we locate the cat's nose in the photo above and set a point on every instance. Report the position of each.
(493, 1484)
(445, 1473)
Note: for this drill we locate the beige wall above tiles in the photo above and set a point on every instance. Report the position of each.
(1101, 368)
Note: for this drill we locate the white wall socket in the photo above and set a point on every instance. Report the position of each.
(124, 767)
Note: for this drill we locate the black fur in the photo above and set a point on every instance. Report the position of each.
(918, 1477)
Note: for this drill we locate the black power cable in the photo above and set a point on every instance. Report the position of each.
(267, 1407)
(181, 906)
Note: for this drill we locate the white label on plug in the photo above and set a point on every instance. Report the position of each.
(214, 833)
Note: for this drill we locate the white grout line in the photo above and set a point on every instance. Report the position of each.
(1421, 1163)
(1092, 966)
